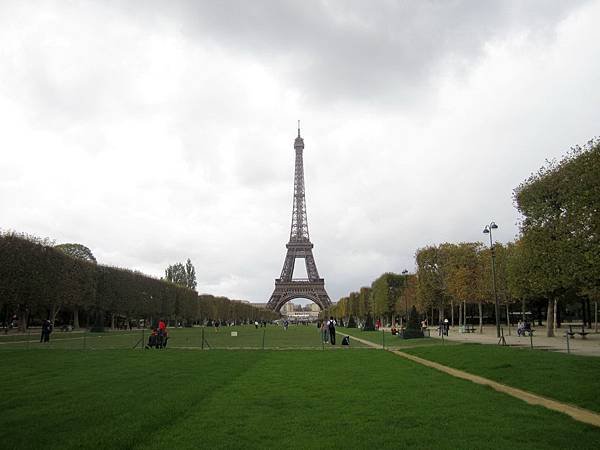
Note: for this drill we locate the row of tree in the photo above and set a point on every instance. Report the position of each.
(39, 280)
(551, 271)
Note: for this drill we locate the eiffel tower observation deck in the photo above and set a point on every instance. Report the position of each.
(299, 247)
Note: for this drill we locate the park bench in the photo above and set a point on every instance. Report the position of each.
(467, 329)
(582, 333)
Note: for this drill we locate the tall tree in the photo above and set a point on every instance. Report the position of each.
(560, 230)
(183, 275)
(81, 280)
(77, 251)
(190, 275)
(176, 274)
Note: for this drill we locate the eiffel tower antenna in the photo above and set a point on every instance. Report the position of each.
(299, 246)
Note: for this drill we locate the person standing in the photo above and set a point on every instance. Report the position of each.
(331, 327)
(46, 330)
(324, 332)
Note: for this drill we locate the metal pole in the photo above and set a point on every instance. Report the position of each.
(596, 315)
(531, 338)
(143, 340)
(494, 285)
(568, 348)
(202, 344)
(383, 338)
(406, 296)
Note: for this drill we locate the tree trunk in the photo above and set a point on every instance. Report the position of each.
(76, 319)
(523, 310)
(554, 314)
(464, 313)
(54, 313)
(480, 318)
(460, 314)
(589, 312)
(452, 313)
(508, 318)
(112, 321)
(24, 317)
(550, 319)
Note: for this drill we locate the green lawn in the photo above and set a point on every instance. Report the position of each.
(390, 341)
(568, 378)
(247, 337)
(260, 399)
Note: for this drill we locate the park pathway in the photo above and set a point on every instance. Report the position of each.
(579, 414)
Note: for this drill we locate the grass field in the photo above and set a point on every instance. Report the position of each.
(386, 339)
(568, 378)
(118, 398)
(247, 337)
(226, 399)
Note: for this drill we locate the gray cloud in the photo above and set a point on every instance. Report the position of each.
(336, 50)
(153, 132)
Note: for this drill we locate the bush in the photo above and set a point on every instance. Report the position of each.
(369, 323)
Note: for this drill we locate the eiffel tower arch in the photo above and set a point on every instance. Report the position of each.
(299, 247)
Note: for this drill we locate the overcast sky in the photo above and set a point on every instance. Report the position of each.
(153, 132)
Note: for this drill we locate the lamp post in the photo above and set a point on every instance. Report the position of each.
(488, 230)
(404, 272)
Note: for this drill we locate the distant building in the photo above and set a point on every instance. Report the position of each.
(299, 313)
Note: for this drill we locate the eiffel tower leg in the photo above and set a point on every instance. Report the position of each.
(311, 266)
(288, 266)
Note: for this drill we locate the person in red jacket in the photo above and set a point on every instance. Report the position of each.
(162, 333)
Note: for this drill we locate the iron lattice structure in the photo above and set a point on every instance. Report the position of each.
(299, 246)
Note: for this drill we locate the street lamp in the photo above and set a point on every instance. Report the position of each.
(488, 230)
(404, 272)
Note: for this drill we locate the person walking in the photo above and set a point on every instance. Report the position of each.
(331, 327)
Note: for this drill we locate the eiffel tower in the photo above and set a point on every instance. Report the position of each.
(299, 246)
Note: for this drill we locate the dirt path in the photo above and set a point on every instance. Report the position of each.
(579, 414)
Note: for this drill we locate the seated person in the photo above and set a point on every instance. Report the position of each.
(394, 331)
(153, 339)
(346, 340)
(520, 328)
